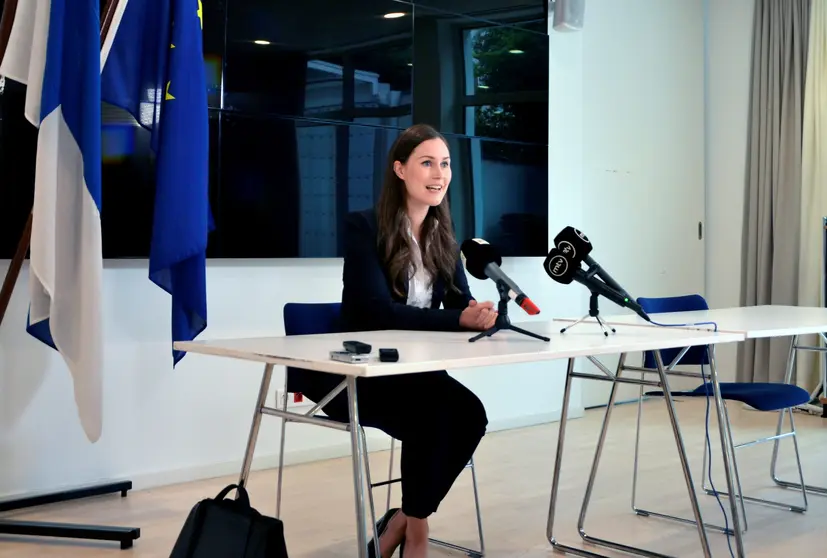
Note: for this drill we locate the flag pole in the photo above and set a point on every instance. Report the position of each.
(13, 272)
(9, 10)
(124, 535)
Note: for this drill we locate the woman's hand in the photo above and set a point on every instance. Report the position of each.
(478, 316)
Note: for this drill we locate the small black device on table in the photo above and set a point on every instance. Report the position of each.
(388, 355)
(359, 348)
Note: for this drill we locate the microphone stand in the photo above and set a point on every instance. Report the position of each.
(594, 312)
(503, 321)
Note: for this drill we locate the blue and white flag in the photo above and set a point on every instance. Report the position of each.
(54, 48)
(154, 69)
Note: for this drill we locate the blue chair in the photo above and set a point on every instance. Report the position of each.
(321, 318)
(760, 396)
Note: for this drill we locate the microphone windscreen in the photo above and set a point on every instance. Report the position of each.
(573, 243)
(560, 267)
(477, 254)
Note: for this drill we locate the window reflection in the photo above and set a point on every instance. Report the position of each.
(306, 99)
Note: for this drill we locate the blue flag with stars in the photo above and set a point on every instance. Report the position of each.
(153, 67)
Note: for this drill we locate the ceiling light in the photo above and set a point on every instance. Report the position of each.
(394, 15)
(261, 42)
(516, 51)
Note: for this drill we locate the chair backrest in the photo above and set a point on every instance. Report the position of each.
(696, 356)
(308, 318)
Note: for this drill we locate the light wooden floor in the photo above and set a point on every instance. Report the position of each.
(514, 470)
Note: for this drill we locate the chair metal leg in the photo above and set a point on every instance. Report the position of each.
(281, 451)
(477, 506)
(774, 462)
(637, 445)
(801, 487)
(390, 474)
(466, 550)
(437, 542)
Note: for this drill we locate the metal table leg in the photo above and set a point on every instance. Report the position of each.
(252, 437)
(558, 461)
(358, 448)
(727, 452)
(358, 451)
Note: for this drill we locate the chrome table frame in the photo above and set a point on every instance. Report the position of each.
(357, 440)
(471, 552)
(361, 462)
(662, 383)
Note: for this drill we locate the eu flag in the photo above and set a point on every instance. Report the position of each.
(153, 67)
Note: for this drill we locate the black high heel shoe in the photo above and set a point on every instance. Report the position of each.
(381, 526)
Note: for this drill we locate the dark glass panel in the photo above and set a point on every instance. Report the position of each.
(499, 192)
(497, 11)
(319, 58)
(480, 79)
(286, 184)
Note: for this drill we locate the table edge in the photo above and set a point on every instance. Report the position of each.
(375, 369)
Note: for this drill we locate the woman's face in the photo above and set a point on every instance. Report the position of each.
(427, 173)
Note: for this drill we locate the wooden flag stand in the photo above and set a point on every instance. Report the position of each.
(124, 535)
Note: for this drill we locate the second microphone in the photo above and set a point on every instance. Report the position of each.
(483, 261)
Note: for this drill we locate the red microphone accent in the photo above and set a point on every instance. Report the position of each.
(529, 306)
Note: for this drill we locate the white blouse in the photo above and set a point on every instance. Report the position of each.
(420, 286)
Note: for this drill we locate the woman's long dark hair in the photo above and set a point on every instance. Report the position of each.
(437, 242)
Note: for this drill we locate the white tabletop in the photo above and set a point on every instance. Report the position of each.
(753, 321)
(421, 351)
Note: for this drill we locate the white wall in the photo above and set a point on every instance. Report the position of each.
(643, 151)
(662, 96)
(728, 84)
(163, 425)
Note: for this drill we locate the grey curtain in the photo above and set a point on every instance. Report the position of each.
(773, 189)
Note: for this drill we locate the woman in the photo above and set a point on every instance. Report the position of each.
(401, 264)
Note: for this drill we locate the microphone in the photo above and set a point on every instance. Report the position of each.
(483, 262)
(576, 245)
(564, 270)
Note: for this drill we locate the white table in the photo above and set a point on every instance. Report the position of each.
(754, 322)
(426, 351)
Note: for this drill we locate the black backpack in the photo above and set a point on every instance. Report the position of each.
(227, 528)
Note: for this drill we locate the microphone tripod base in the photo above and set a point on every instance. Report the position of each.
(603, 325)
(594, 312)
(503, 322)
(496, 328)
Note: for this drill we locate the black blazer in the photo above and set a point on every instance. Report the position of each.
(368, 300)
